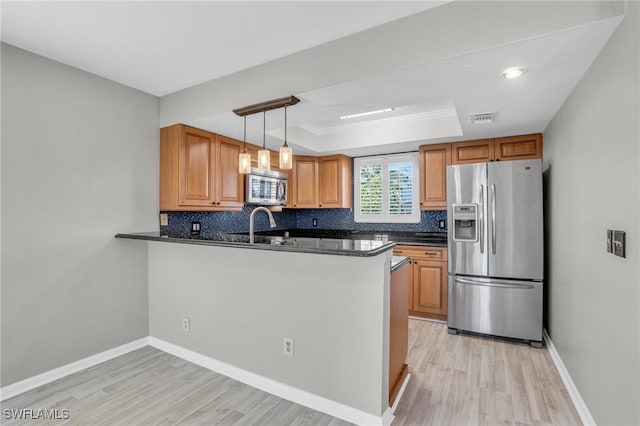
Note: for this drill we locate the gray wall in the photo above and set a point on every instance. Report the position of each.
(334, 307)
(592, 155)
(79, 164)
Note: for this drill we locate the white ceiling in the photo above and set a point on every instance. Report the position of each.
(162, 47)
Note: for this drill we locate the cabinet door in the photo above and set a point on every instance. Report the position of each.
(430, 287)
(434, 160)
(479, 151)
(519, 147)
(229, 182)
(196, 156)
(335, 181)
(305, 175)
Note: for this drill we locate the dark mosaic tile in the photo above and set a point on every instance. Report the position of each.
(343, 219)
(226, 222)
(339, 219)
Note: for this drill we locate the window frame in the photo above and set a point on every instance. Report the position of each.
(385, 161)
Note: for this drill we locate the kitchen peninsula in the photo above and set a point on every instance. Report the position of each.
(230, 306)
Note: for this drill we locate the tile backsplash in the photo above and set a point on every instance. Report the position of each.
(235, 222)
(227, 222)
(343, 219)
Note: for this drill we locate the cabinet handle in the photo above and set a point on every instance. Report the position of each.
(320, 205)
(431, 253)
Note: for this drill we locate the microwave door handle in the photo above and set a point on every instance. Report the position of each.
(481, 219)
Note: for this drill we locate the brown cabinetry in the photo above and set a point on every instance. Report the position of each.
(428, 293)
(499, 149)
(304, 185)
(335, 181)
(434, 160)
(320, 182)
(518, 147)
(199, 170)
(398, 329)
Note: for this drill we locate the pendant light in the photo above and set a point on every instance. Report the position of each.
(286, 153)
(264, 155)
(245, 157)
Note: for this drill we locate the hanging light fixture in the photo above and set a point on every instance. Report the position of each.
(264, 155)
(286, 153)
(245, 157)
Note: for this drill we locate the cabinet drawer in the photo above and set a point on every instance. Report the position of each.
(422, 252)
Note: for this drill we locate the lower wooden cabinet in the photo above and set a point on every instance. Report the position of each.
(428, 290)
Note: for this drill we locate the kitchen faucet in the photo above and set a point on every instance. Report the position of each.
(272, 223)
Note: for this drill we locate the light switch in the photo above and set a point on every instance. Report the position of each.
(609, 241)
(619, 243)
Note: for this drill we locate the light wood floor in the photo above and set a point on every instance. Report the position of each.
(472, 380)
(455, 380)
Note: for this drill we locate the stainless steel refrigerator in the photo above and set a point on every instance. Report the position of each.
(496, 249)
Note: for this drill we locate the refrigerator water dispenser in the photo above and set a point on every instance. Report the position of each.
(465, 222)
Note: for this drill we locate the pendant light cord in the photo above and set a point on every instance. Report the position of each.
(244, 147)
(264, 128)
(285, 126)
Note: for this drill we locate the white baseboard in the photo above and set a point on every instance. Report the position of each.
(400, 393)
(60, 372)
(574, 394)
(274, 387)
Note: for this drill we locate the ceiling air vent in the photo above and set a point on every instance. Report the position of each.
(482, 117)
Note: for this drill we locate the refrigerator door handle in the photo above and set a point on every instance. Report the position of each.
(496, 283)
(493, 218)
(481, 219)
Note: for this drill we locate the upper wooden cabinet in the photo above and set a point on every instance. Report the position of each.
(199, 170)
(434, 160)
(229, 182)
(518, 147)
(500, 149)
(320, 182)
(335, 173)
(304, 185)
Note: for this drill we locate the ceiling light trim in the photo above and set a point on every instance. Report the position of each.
(428, 115)
(364, 114)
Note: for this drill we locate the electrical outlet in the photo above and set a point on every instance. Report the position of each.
(314, 222)
(164, 219)
(287, 346)
(186, 324)
(442, 224)
(196, 228)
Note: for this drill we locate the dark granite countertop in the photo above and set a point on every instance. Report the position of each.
(433, 239)
(317, 245)
(398, 261)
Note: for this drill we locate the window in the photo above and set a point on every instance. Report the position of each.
(386, 189)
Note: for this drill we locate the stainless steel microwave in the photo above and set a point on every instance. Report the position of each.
(268, 188)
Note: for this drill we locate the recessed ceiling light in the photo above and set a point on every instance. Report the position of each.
(362, 114)
(514, 72)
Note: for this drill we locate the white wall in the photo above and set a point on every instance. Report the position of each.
(593, 159)
(242, 302)
(79, 164)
